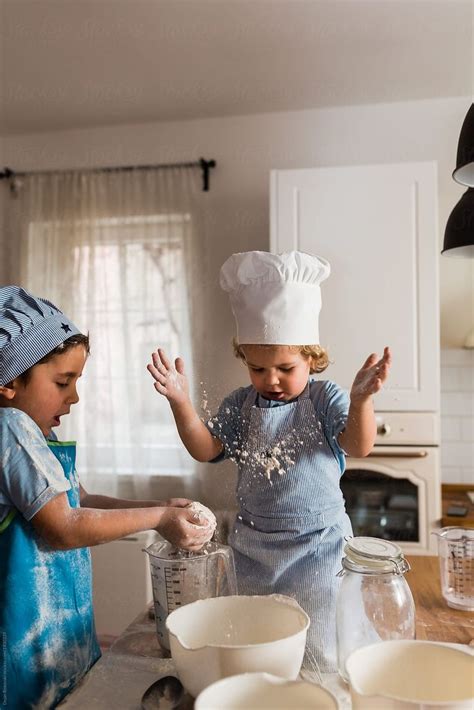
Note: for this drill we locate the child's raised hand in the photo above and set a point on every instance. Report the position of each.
(170, 380)
(371, 376)
(180, 527)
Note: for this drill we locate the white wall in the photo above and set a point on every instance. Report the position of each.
(457, 416)
(246, 148)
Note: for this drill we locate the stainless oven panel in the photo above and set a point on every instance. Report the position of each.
(395, 494)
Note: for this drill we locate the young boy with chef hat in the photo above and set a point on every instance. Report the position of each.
(287, 433)
(47, 520)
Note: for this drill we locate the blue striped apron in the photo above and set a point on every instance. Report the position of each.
(289, 533)
(47, 631)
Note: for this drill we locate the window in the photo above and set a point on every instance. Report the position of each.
(130, 292)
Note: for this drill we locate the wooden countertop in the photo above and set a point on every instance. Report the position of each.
(455, 494)
(435, 620)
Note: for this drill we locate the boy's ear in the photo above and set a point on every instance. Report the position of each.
(7, 391)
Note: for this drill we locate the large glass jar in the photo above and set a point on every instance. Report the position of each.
(374, 602)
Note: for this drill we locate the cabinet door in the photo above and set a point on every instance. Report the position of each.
(377, 226)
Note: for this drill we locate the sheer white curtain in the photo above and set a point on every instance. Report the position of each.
(122, 253)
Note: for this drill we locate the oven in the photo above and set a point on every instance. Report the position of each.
(395, 492)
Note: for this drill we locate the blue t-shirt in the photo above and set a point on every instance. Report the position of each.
(30, 474)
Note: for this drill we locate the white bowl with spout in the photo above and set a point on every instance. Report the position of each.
(411, 675)
(215, 638)
(265, 692)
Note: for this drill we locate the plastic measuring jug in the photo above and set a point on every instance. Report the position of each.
(180, 577)
(456, 566)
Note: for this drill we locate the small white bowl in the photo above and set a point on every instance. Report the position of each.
(411, 675)
(214, 638)
(265, 692)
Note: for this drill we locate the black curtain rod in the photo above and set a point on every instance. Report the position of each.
(205, 165)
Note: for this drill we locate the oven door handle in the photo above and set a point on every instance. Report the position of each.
(421, 454)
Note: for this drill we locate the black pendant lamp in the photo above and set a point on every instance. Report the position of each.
(459, 233)
(464, 172)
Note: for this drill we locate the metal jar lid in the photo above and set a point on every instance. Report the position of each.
(372, 555)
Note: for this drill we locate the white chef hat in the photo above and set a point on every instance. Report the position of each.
(275, 298)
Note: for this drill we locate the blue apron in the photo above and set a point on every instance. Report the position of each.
(47, 631)
(289, 533)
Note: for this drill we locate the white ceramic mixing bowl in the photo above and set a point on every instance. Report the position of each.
(411, 675)
(265, 692)
(214, 638)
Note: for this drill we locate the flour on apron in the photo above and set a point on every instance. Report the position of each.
(288, 537)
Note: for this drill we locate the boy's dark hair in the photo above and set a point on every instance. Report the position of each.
(66, 345)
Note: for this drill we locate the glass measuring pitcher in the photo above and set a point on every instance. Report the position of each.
(179, 577)
(456, 566)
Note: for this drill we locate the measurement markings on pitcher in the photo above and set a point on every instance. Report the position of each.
(172, 586)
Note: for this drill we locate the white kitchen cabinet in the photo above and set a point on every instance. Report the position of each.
(377, 226)
(121, 581)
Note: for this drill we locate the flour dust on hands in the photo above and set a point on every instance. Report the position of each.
(204, 524)
(170, 379)
(371, 377)
(189, 527)
(203, 516)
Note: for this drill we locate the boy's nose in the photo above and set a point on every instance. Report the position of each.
(272, 378)
(74, 397)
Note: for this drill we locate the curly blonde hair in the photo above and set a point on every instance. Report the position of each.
(318, 357)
